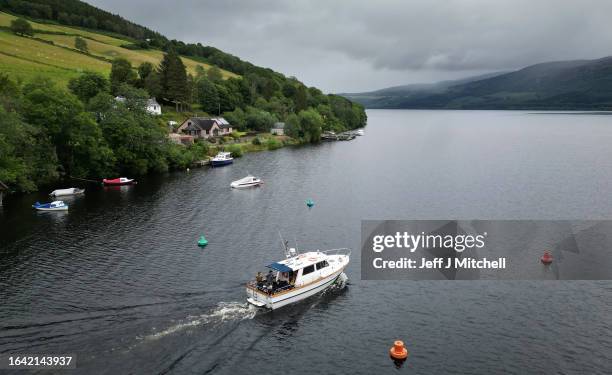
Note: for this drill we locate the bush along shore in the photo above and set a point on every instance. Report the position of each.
(49, 132)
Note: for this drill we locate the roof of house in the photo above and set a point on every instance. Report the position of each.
(151, 102)
(206, 123)
(278, 125)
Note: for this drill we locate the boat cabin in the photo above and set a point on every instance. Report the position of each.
(294, 272)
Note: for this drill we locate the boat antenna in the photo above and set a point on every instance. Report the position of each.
(285, 244)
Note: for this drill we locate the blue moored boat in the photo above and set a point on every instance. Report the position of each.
(53, 206)
(222, 158)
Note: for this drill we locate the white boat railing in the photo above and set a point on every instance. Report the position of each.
(340, 251)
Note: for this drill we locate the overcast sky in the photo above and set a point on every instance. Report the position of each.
(350, 46)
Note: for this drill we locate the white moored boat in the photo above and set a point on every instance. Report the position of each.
(69, 191)
(52, 206)
(246, 182)
(359, 132)
(298, 277)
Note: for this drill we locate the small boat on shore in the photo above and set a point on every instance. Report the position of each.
(246, 182)
(359, 132)
(118, 181)
(52, 206)
(222, 158)
(298, 277)
(65, 192)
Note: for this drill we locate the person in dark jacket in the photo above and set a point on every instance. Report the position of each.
(270, 281)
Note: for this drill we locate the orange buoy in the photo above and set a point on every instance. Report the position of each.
(398, 350)
(546, 258)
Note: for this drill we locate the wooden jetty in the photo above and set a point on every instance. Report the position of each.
(344, 136)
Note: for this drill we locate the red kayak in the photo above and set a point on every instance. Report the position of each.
(118, 181)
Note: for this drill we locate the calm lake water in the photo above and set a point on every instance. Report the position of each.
(119, 280)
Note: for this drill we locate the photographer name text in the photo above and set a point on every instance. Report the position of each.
(440, 263)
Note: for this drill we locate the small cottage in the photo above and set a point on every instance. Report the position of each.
(152, 106)
(205, 127)
(278, 128)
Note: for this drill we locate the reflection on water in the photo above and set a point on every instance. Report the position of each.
(119, 279)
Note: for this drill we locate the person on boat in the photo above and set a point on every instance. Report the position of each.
(259, 278)
(270, 281)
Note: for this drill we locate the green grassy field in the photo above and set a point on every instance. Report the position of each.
(24, 58)
(5, 20)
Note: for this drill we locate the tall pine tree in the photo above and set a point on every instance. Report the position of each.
(173, 78)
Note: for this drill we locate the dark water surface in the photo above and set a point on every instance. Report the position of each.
(120, 281)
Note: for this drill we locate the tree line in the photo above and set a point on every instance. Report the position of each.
(48, 132)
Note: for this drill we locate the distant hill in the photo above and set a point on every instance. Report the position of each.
(560, 85)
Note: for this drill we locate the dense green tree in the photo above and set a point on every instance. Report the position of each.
(78, 142)
(90, 22)
(214, 74)
(292, 126)
(138, 140)
(259, 120)
(20, 26)
(121, 72)
(301, 98)
(228, 100)
(10, 93)
(135, 98)
(153, 84)
(200, 72)
(208, 96)
(289, 90)
(237, 118)
(80, 44)
(88, 85)
(173, 77)
(306, 125)
(26, 158)
(270, 88)
(144, 70)
(311, 123)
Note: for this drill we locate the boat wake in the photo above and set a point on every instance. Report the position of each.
(223, 312)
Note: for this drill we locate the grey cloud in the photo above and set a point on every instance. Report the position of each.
(359, 45)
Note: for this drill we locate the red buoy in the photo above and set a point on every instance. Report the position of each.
(398, 351)
(546, 258)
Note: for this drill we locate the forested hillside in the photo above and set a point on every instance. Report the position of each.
(63, 62)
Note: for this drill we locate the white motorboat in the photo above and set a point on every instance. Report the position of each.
(246, 182)
(359, 132)
(64, 192)
(53, 206)
(222, 158)
(298, 277)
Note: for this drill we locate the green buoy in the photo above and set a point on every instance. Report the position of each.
(309, 203)
(202, 241)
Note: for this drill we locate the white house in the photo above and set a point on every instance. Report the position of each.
(152, 106)
(278, 128)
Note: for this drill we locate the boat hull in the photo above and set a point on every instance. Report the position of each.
(51, 209)
(245, 186)
(220, 163)
(66, 192)
(279, 300)
(118, 183)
